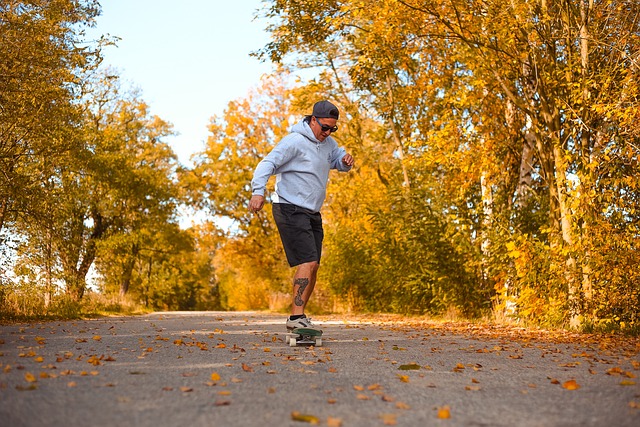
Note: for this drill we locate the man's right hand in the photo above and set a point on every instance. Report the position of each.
(256, 203)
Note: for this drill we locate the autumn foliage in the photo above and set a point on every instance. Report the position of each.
(496, 149)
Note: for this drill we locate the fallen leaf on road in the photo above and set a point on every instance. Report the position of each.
(95, 361)
(185, 389)
(247, 368)
(444, 412)
(389, 419)
(404, 378)
(305, 418)
(334, 422)
(215, 377)
(571, 385)
(410, 367)
(627, 382)
(29, 377)
(459, 367)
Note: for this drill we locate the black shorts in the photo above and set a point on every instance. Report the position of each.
(300, 231)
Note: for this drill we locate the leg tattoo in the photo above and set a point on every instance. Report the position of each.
(302, 283)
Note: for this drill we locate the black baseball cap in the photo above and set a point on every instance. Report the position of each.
(325, 109)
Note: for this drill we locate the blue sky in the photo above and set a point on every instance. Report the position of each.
(189, 58)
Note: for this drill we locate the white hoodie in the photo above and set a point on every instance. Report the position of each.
(301, 164)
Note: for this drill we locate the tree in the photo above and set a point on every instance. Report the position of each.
(250, 265)
(43, 51)
(506, 111)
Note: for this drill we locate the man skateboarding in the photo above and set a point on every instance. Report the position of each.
(301, 162)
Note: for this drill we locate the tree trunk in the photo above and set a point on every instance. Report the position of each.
(76, 276)
(128, 270)
(396, 135)
(566, 225)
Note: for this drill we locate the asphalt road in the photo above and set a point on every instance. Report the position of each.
(234, 369)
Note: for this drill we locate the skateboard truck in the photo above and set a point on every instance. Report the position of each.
(304, 336)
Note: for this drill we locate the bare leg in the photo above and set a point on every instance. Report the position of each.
(304, 281)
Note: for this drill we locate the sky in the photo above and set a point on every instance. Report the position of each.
(189, 58)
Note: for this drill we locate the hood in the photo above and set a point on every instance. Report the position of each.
(303, 128)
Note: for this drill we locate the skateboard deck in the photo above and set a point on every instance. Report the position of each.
(304, 336)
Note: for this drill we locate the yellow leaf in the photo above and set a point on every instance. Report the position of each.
(404, 378)
(389, 419)
(402, 405)
(444, 412)
(305, 418)
(29, 377)
(97, 337)
(571, 385)
(627, 382)
(334, 422)
(215, 377)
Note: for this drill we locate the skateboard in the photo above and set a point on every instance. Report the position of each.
(304, 336)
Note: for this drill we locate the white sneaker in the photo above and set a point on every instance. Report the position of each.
(303, 322)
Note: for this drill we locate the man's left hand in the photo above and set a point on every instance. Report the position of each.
(348, 160)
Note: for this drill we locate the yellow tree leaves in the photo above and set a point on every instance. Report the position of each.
(509, 139)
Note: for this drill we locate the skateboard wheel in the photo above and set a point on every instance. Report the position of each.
(319, 342)
(292, 342)
(287, 338)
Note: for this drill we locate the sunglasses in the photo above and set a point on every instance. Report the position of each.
(326, 128)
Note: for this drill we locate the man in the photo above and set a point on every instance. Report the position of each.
(301, 162)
